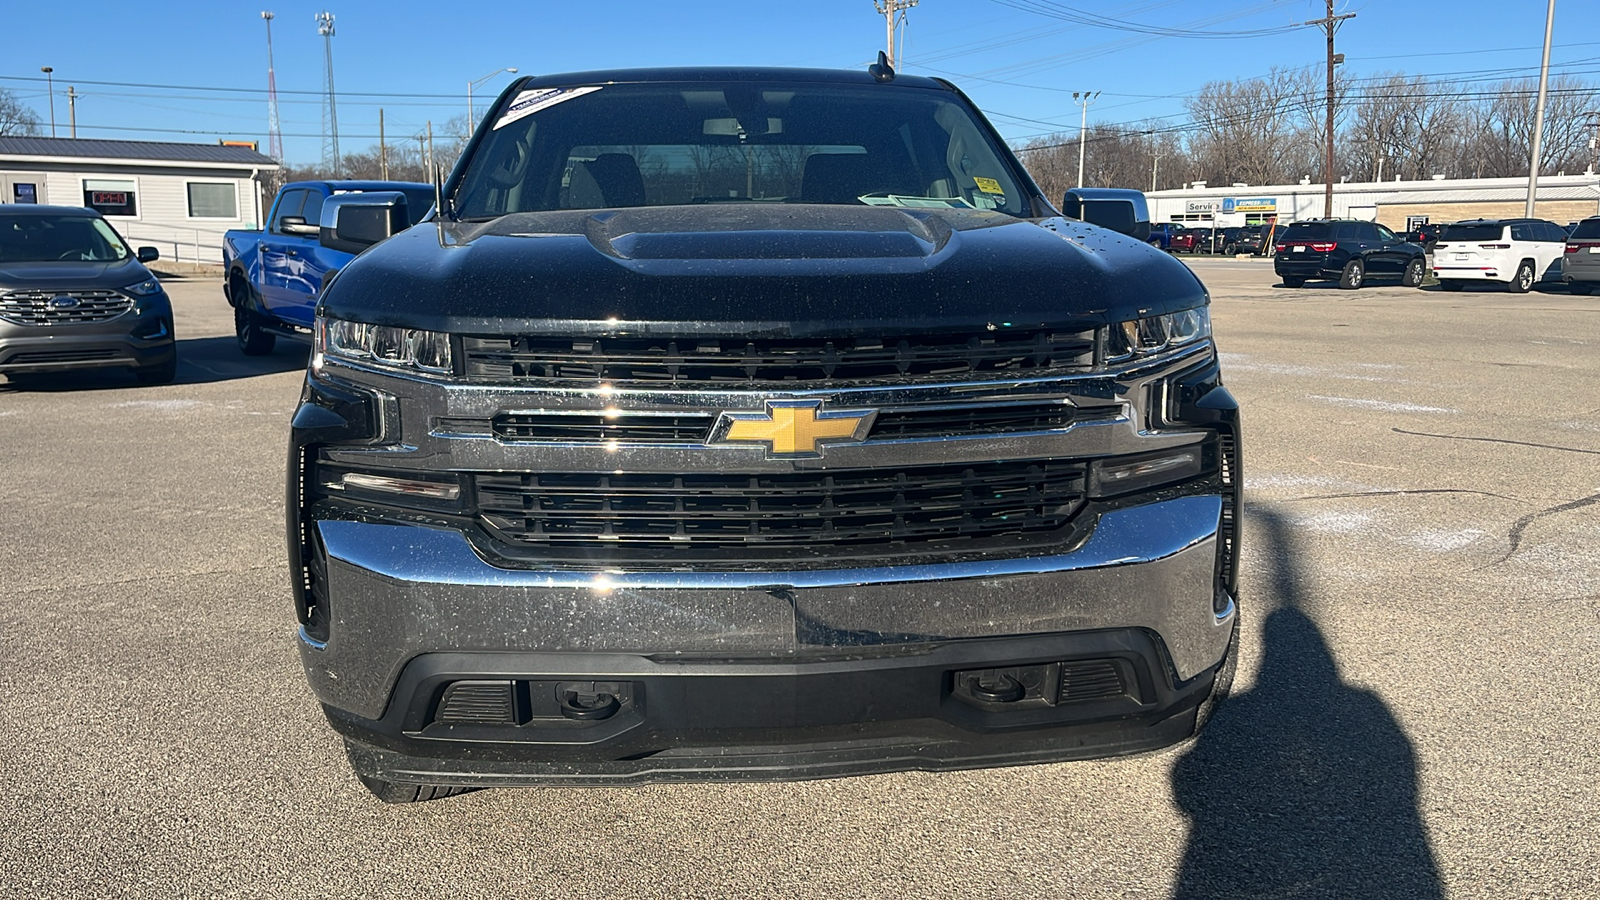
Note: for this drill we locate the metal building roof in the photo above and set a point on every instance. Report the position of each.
(1481, 195)
(136, 151)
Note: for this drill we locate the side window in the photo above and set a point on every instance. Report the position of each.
(1555, 233)
(313, 208)
(1367, 231)
(288, 205)
(1385, 234)
(1521, 231)
(1346, 231)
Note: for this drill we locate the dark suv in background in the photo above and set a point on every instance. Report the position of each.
(1348, 251)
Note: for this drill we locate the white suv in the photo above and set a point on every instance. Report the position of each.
(1516, 252)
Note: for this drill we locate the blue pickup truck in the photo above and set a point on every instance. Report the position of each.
(274, 275)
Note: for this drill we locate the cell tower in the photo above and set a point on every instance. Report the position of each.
(274, 133)
(330, 112)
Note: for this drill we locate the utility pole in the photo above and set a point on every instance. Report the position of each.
(274, 131)
(1331, 25)
(383, 150)
(72, 109)
(430, 149)
(51, 80)
(331, 160)
(1083, 98)
(1594, 142)
(893, 11)
(1538, 111)
(1155, 166)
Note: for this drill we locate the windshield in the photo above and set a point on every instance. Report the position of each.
(1472, 233)
(36, 238)
(627, 145)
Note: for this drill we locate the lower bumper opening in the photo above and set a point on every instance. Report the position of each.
(509, 719)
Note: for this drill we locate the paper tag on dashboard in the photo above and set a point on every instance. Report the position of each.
(988, 185)
(530, 102)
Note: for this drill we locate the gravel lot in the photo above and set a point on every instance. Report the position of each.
(1414, 714)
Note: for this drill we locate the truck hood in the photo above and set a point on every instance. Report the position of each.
(757, 269)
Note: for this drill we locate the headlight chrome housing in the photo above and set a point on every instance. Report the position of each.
(1157, 334)
(146, 288)
(385, 346)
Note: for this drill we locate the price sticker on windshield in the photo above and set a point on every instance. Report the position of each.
(530, 102)
(988, 185)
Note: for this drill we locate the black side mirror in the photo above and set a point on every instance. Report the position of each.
(1120, 210)
(353, 222)
(148, 254)
(297, 225)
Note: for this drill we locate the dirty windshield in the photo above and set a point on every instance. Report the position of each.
(610, 146)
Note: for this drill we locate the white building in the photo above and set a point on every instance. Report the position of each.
(1401, 205)
(179, 198)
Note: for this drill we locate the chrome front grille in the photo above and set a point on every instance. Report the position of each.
(898, 510)
(62, 307)
(632, 427)
(792, 362)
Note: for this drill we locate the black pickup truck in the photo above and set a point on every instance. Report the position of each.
(754, 424)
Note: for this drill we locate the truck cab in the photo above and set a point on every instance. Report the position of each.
(275, 274)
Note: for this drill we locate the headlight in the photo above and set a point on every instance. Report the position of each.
(1154, 334)
(145, 288)
(385, 345)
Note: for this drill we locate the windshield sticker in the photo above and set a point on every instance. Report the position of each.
(988, 185)
(530, 102)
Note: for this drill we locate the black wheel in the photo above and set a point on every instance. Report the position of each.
(1293, 281)
(247, 328)
(401, 792)
(161, 373)
(1355, 272)
(1230, 250)
(1581, 288)
(1452, 285)
(1522, 282)
(1155, 243)
(1415, 271)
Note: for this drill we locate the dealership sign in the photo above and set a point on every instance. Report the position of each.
(1201, 206)
(1257, 204)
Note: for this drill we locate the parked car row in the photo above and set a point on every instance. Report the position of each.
(1518, 253)
(1229, 241)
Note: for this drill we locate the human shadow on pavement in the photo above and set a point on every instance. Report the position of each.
(1304, 786)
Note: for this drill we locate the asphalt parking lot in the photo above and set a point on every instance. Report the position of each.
(1414, 714)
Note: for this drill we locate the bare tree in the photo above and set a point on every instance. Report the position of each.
(15, 118)
(1253, 131)
(1406, 127)
(1502, 126)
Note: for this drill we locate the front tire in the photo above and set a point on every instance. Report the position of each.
(1522, 282)
(1355, 272)
(253, 341)
(1416, 270)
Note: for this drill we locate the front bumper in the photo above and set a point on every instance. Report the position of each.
(766, 670)
(129, 340)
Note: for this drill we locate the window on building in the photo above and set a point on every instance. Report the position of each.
(213, 200)
(111, 196)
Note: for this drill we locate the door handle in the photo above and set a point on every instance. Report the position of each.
(291, 253)
(261, 246)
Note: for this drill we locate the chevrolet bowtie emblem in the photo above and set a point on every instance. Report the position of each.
(793, 429)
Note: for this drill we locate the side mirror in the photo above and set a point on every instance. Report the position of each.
(296, 225)
(148, 254)
(1120, 210)
(353, 222)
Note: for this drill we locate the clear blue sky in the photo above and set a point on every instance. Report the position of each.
(1019, 66)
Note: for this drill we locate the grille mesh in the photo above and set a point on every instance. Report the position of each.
(38, 307)
(892, 508)
(781, 360)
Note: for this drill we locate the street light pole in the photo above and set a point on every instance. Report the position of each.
(1538, 111)
(51, 81)
(1083, 125)
(472, 117)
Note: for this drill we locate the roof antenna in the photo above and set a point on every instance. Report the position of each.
(881, 70)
